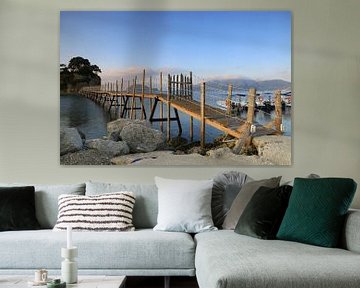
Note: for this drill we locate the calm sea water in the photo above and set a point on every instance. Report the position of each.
(91, 118)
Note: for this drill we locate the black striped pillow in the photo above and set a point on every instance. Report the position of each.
(105, 212)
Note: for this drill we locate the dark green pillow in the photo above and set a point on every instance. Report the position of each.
(316, 211)
(263, 214)
(17, 208)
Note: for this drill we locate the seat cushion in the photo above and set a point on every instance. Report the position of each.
(144, 249)
(225, 259)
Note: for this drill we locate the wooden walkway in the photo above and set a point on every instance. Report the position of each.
(178, 97)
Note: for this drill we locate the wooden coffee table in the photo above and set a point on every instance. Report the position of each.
(84, 281)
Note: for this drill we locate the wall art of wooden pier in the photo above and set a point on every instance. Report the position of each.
(130, 97)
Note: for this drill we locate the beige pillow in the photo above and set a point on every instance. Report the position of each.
(243, 198)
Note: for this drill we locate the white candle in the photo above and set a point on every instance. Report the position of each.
(69, 239)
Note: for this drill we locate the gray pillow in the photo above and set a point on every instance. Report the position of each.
(226, 187)
(46, 200)
(310, 176)
(184, 205)
(146, 204)
(243, 198)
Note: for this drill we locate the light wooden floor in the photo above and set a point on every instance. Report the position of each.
(158, 282)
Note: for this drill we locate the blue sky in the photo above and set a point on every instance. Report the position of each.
(225, 44)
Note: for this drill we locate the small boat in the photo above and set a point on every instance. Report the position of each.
(287, 100)
(286, 92)
(235, 103)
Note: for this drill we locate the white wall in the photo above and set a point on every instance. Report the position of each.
(326, 77)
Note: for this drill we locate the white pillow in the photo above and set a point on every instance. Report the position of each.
(105, 212)
(184, 205)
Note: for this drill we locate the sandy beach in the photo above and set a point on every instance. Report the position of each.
(274, 150)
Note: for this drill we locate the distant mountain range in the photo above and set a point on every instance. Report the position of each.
(245, 84)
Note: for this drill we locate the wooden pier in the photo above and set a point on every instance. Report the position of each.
(178, 96)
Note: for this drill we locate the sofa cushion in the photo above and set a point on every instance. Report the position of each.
(225, 259)
(17, 208)
(184, 205)
(105, 212)
(225, 189)
(146, 205)
(317, 209)
(46, 200)
(350, 239)
(142, 249)
(243, 198)
(263, 215)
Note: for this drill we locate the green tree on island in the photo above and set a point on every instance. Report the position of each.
(77, 74)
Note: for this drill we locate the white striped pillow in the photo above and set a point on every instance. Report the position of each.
(105, 212)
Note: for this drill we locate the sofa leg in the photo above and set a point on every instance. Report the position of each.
(167, 282)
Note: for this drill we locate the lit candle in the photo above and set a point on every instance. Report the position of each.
(69, 240)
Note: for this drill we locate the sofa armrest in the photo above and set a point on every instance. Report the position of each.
(351, 234)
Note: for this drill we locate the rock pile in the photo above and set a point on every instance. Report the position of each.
(134, 142)
(124, 137)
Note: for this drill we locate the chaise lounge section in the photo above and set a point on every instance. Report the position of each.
(225, 259)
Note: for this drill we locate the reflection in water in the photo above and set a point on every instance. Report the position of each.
(84, 114)
(91, 119)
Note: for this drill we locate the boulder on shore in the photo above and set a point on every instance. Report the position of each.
(109, 147)
(70, 140)
(114, 128)
(141, 138)
(276, 149)
(86, 157)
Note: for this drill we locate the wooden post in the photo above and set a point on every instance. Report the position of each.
(121, 96)
(177, 85)
(116, 95)
(168, 134)
(161, 103)
(228, 100)
(191, 86)
(251, 105)
(181, 85)
(278, 111)
(143, 95)
(191, 129)
(173, 93)
(151, 92)
(133, 100)
(245, 130)
(202, 116)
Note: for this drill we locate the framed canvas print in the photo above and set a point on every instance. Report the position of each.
(167, 88)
